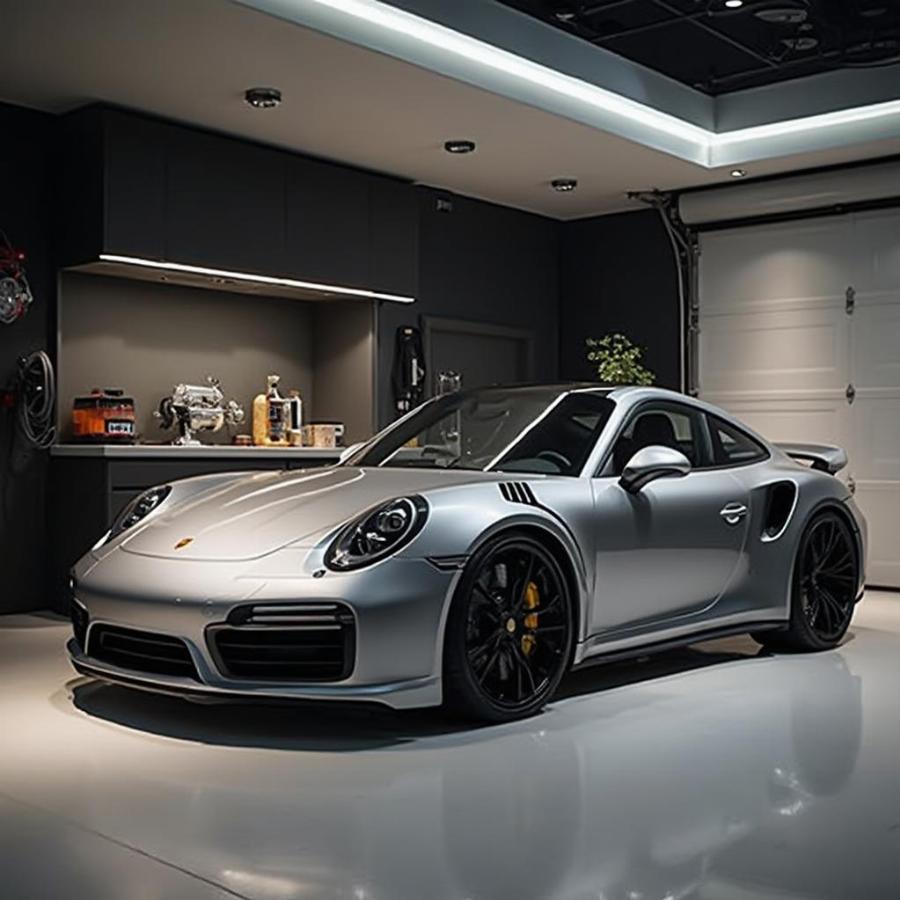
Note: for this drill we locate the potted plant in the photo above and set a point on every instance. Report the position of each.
(617, 360)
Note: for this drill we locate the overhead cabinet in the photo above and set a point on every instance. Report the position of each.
(143, 188)
(327, 223)
(224, 203)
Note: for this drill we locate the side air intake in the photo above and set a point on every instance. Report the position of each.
(779, 505)
(517, 492)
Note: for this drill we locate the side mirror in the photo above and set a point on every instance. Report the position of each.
(347, 452)
(651, 463)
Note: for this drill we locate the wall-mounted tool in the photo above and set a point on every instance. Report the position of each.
(15, 294)
(34, 398)
(104, 416)
(197, 408)
(408, 374)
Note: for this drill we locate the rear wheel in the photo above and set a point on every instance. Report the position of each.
(509, 632)
(826, 574)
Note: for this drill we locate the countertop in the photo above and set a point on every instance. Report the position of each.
(204, 451)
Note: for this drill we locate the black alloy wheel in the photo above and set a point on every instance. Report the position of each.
(510, 631)
(826, 576)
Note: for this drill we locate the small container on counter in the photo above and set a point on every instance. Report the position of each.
(323, 435)
(103, 417)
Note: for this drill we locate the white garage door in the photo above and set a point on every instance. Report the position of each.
(779, 348)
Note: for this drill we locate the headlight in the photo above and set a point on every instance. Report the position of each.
(377, 533)
(139, 509)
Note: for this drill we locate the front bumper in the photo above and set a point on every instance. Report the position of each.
(399, 607)
(408, 694)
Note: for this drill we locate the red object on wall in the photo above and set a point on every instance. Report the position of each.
(15, 294)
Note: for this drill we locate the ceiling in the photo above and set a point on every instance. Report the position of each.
(191, 62)
(717, 49)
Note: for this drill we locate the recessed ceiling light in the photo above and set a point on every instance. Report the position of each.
(738, 173)
(790, 14)
(262, 97)
(802, 43)
(459, 146)
(564, 185)
(734, 4)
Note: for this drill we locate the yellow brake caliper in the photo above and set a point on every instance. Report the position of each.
(532, 601)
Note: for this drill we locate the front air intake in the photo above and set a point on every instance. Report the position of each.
(286, 642)
(141, 651)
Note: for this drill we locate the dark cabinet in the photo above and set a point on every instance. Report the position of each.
(134, 186)
(224, 203)
(141, 187)
(327, 223)
(394, 237)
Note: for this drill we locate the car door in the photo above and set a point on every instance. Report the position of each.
(672, 548)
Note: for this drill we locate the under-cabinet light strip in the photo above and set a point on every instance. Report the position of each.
(341, 290)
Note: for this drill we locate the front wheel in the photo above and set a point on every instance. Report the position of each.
(509, 632)
(826, 575)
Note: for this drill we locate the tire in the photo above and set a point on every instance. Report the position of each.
(510, 631)
(823, 592)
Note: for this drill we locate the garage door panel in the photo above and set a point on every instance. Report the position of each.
(876, 250)
(875, 425)
(771, 263)
(880, 503)
(791, 350)
(778, 348)
(875, 341)
(820, 420)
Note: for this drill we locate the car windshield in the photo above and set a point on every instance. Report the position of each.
(540, 430)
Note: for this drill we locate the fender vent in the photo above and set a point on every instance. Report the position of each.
(779, 505)
(517, 492)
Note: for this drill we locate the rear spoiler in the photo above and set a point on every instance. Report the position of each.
(823, 457)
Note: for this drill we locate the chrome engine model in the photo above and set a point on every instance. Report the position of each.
(198, 408)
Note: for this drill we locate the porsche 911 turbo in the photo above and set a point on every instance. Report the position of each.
(472, 553)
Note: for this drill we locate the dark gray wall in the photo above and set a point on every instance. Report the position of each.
(479, 263)
(25, 215)
(617, 273)
(483, 263)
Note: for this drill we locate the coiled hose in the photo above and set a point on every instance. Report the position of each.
(37, 399)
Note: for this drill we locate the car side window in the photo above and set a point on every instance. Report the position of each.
(666, 425)
(560, 442)
(731, 446)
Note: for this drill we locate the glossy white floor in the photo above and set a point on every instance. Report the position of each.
(709, 773)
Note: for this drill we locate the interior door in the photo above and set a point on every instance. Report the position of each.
(672, 548)
(483, 355)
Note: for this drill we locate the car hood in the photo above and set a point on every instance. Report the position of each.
(259, 513)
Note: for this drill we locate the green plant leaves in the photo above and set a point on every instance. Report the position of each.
(618, 360)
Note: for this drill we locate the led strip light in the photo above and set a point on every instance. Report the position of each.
(655, 128)
(255, 279)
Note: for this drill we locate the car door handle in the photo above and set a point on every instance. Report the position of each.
(732, 513)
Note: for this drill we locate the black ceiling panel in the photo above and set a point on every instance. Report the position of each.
(717, 49)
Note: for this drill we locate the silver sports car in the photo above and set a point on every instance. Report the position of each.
(473, 552)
